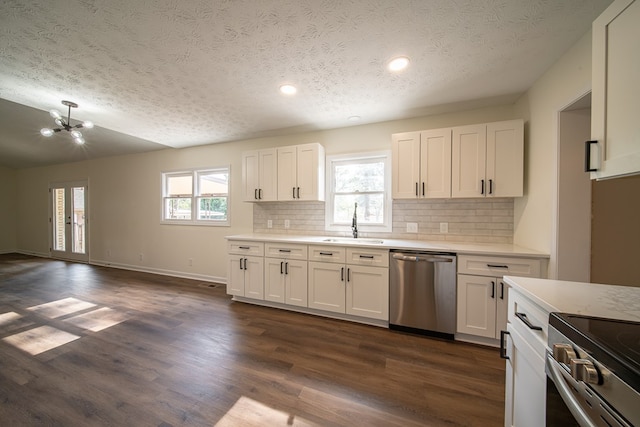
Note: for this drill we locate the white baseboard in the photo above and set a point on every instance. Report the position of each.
(33, 253)
(163, 272)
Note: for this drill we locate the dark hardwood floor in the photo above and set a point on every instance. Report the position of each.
(82, 345)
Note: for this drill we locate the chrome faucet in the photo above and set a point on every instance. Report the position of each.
(354, 222)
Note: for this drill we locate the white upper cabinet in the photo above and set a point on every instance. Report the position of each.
(488, 160)
(301, 172)
(421, 164)
(259, 175)
(505, 159)
(616, 92)
(469, 153)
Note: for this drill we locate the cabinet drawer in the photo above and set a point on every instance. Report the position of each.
(521, 310)
(323, 253)
(285, 250)
(241, 247)
(499, 266)
(366, 256)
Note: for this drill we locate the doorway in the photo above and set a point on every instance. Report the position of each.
(573, 227)
(69, 226)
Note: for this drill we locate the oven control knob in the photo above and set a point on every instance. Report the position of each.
(584, 370)
(564, 353)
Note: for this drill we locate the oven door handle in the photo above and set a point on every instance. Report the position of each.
(569, 399)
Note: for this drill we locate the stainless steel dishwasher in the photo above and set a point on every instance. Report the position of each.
(422, 292)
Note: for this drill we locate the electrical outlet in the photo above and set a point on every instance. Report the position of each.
(190, 262)
(108, 252)
(287, 223)
(141, 256)
(444, 227)
(269, 223)
(412, 227)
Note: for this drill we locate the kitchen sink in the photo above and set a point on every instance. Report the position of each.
(353, 241)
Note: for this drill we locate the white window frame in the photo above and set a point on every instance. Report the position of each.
(330, 224)
(195, 197)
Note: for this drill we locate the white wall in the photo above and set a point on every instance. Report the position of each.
(565, 82)
(8, 211)
(125, 203)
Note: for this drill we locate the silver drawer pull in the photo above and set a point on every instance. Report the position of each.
(526, 321)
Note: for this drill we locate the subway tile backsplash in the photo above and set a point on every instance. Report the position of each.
(469, 220)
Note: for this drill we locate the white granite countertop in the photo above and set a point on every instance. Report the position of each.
(590, 299)
(495, 249)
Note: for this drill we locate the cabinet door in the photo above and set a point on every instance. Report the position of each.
(616, 90)
(477, 305)
(254, 278)
(327, 286)
(435, 163)
(308, 170)
(274, 280)
(296, 283)
(525, 387)
(287, 173)
(468, 159)
(405, 165)
(368, 292)
(235, 275)
(268, 165)
(505, 159)
(250, 176)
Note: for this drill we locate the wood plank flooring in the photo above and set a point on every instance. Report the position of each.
(161, 351)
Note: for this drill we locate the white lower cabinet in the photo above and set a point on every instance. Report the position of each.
(368, 292)
(246, 276)
(525, 347)
(327, 286)
(245, 270)
(285, 274)
(482, 295)
(359, 288)
(478, 301)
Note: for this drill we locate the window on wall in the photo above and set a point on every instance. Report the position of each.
(364, 179)
(199, 197)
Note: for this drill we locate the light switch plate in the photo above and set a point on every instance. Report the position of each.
(412, 227)
(269, 223)
(444, 227)
(287, 223)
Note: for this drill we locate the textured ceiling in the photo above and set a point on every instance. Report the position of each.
(189, 72)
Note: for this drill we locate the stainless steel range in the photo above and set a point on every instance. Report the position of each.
(593, 371)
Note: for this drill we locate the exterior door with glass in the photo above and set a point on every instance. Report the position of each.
(69, 225)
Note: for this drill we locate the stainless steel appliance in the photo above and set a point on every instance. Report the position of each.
(422, 292)
(593, 371)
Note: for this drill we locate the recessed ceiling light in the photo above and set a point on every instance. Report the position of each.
(288, 89)
(398, 64)
(354, 118)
